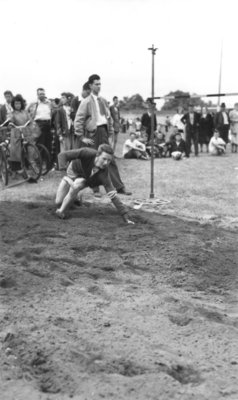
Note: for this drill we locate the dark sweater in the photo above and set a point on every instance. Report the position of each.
(82, 162)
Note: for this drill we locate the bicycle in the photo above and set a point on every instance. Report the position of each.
(45, 158)
(31, 161)
(4, 152)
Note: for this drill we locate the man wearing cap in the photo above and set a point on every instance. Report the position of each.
(222, 122)
(93, 125)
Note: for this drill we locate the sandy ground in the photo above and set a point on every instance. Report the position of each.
(93, 309)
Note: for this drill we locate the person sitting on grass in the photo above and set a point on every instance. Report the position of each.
(217, 146)
(134, 148)
(159, 145)
(178, 147)
(87, 168)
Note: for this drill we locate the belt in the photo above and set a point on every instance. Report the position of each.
(42, 120)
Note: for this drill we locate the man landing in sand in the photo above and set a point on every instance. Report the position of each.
(87, 168)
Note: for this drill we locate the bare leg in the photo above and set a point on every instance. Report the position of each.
(77, 185)
(62, 191)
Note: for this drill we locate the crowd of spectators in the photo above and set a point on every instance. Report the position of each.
(51, 123)
(198, 129)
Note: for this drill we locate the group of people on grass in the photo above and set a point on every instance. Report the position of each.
(175, 137)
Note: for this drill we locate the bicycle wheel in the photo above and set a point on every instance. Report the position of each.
(31, 161)
(45, 157)
(3, 167)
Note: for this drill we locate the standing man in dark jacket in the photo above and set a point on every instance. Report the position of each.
(222, 123)
(191, 121)
(146, 120)
(115, 114)
(6, 108)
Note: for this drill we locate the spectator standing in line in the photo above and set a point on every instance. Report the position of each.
(146, 119)
(233, 115)
(55, 134)
(138, 125)
(41, 112)
(176, 121)
(222, 123)
(6, 109)
(133, 148)
(167, 123)
(64, 124)
(206, 128)
(115, 114)
(191, 121)
(217, 146)
(75, 103)
(93, 125)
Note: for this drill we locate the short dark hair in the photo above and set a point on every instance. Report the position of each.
(8, 92)
(115, 98)
(105, 148)
(86, 86)
(40, 89)
(57, 101)
(19, 98)
(65, 94)
(93, 78)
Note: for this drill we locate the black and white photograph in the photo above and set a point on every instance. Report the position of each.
(119, 200)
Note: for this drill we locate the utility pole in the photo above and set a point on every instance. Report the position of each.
(219, 84)
(153, 51)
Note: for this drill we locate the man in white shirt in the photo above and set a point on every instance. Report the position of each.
(217, 146)
(93, 125)
(41, 112)
(133, 148)
(176, 122)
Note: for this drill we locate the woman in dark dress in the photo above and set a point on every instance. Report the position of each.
(206, 128)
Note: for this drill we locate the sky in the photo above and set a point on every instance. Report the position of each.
(58, 44)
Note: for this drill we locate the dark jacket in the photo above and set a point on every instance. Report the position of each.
(178, 147)
(186, 120)
(115, 114)
(146, 123)
(206, 127)
(3, 114)
(219, 120)
(75, 103)
(62, 124)
(83, 162)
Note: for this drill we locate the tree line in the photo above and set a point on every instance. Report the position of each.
(136, 102)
